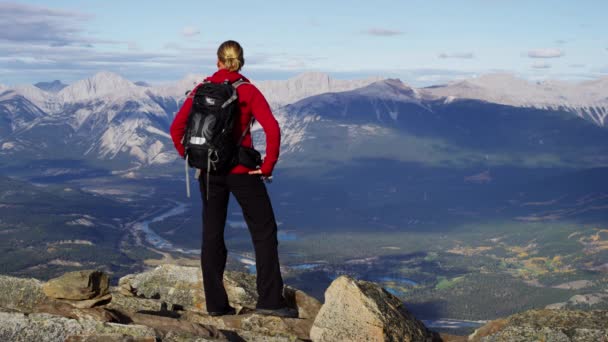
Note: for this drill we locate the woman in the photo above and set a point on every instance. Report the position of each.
(248, 188)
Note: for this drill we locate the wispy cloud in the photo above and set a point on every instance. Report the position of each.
(461, 55)
(190, 31)
(545, 53)
(541, 65)
(382, 32)
(32, 24)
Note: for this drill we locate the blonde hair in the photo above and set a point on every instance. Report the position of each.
(230, 53)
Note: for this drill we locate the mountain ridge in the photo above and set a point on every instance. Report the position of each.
(109, 117)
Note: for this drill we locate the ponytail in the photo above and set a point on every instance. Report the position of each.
(230, 53)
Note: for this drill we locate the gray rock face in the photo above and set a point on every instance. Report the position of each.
(183, 285)
(357, 310)
(168, 283)
(20, 294)
(78, 285)
(17, 327)
(546, 325)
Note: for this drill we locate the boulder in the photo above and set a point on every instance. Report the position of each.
(78, 285)
(18, 327)
(88, 303)
(307, 306)
(183, 285)
(357, 310)
(20, 294)
(59, 308)
(546, 325)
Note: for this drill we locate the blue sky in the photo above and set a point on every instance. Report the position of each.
(421, 42)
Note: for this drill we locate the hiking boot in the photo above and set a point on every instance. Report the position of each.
(281, 312)
(230, 311)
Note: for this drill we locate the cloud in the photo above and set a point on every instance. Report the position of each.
(32, 24)
(462, 55)
(381, 32)
(546, 53)
(577, 65)
(190, 31)
(133, 46)
(541, 65)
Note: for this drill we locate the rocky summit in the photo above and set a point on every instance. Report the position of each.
(167, 303)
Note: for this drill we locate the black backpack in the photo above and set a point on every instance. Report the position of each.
(209, 140)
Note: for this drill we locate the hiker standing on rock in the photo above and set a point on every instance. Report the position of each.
(246, 183)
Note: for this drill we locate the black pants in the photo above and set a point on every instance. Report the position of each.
(250, 192)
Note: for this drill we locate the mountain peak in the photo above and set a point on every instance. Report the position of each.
(312, 76)
(52, 87)
(108, 76)
(392, 88)
(305, 85)
(102, 83)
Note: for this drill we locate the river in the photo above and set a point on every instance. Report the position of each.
(161, 243)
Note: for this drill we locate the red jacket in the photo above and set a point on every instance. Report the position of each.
(252, 102)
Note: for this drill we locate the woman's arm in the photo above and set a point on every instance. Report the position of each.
(178, 127)
(262, 113)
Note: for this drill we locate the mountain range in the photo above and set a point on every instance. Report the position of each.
(112, 122)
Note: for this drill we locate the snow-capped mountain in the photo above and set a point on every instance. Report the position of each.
(388, 119)
(107, 117)
(588, 99)
(105, 85)
(279, 93)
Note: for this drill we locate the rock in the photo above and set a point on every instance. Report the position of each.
(443, 337)
(20, 294)
(546, 325)
(88, 303)
(18, 327)
(184, 328)
(109, 337)
(78, 285)
(175, 336)
(125, 289)
(266, 328)
(241, 288)
(183, 285)
(307, 306)
(357, 310)
(273, 325)
(134, 304)
(59, 308)
(169, 283)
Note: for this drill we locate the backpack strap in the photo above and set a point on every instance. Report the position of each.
(239, 82)
(234, 96)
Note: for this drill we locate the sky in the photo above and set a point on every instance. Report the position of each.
(422, 42)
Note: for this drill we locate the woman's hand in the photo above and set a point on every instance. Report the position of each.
(265, 178)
